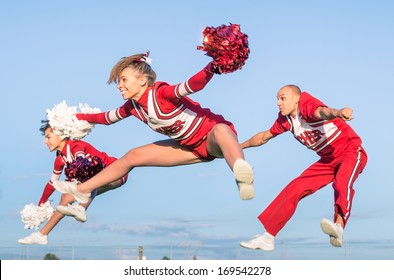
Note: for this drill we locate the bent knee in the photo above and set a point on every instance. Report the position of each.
(222, 130)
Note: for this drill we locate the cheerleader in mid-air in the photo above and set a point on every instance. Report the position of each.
(196, 134)
(78, 159)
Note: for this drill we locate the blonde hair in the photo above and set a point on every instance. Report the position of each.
(135, 62)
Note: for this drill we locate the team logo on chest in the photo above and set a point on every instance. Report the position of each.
(316, 135)
(309, 138)
(171, 129)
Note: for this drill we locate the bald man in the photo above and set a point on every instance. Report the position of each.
(342, 158)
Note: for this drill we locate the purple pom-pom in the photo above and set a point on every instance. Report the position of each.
(82, 169)
(228, 47)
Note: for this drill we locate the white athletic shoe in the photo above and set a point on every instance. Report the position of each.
(71, 188)
(76, 211)
(264, 242)
(34, 238)
(335, 231)
(244, 177)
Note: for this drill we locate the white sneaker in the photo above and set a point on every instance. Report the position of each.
(71, 188)
(264, 242)
(34, 238)
(244, 177)
(76, 211)
(335, 231)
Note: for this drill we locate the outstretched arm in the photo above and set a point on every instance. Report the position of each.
(107, 118)
(257, 140)
(327, 113)
(196, 83)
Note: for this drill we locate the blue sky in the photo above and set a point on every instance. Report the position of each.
(339, 51)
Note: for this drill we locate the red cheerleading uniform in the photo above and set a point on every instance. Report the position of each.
(342, 159)
(71, 150)
(167, 109)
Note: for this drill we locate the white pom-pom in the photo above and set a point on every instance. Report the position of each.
(64, 123)
(33, 216)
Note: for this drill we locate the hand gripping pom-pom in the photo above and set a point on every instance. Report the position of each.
(82, 169)
(33, 216)
(228, 47)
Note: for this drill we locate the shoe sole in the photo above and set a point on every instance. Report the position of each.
(64, 211)
(243, 174)
(31, 243)
(69, 213)
(329, 229)
(27, 243)
(79, 219)
(335, 242)
(246, 191)
(244, 245)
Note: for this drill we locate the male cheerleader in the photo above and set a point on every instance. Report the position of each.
(342, 158)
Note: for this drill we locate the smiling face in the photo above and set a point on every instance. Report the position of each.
(288, 98)
(131, 84)
(53, 141)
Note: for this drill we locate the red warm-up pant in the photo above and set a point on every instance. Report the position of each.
(342, 171)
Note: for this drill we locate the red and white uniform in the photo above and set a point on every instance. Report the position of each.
(73, 149)
(342, 159)
(166, 109)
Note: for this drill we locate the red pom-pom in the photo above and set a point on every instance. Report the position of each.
(82, 169)
(228, 47)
